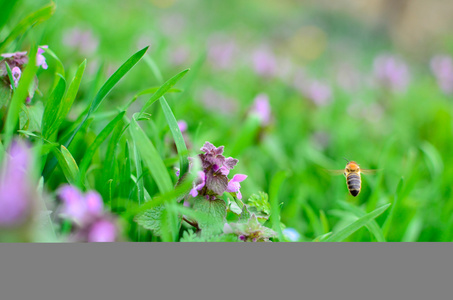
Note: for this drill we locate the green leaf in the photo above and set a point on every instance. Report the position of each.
(191, 236)
(372, 226)
(85, 163)
(68, 100)
(51, 109)
(274, 188)
(359, 223)
(7, 7)
(177, 137)
(398, 193)
(151, 157)
(19, 97)
(10, 76)
(67, 164)
(151, 219)
(215, 215)
(108, 86)
(31, 20)
(163, 89)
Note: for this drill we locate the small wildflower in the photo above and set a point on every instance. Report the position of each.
(212, 180)
(16, 190)
(234, 185)
(264, 62)
(16, 72)
(82, 41)
(251, 231)
(391, 72)
(40, 59)
(182, 125)
(442, 68)
(262, 108)
(87, 212)
(221, 52)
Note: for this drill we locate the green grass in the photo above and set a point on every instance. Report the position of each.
(116, 132)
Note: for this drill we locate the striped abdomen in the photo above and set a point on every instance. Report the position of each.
(354, 183)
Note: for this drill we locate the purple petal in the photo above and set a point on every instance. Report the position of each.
(74, 206)
(182, 125)
(230, 162)
(239, 177)
(94, 203)
(102, 231)
(233, 186)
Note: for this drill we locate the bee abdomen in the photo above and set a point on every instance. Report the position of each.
(354, 183)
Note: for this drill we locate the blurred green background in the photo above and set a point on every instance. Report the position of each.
(344, 79)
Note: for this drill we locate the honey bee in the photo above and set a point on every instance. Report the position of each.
(352, 173)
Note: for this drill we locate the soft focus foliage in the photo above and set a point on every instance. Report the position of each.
(223, 120)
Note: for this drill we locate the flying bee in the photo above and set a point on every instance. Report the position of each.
(352, 173)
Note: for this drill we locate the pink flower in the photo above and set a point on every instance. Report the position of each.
(80, 208)
(182, 125)
(40, 59)
(16, 72)
(102, 231)
(194, 191)
(234, 185)
(262, 108)
(264, 62)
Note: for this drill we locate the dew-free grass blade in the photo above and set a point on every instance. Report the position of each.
(51, 109)
(7, 7)
(372, 226)
(102, 93)
(19, 96)
(33, 19)
(388, 221)
(108, 86)
(151, 157)
(85, 163)
(177, 136)
(163, 89)
(359, 223)
(67, 164)
(274, 188)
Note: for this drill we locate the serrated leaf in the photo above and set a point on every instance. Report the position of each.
(151, 219)
(359, 223)
(215, 215)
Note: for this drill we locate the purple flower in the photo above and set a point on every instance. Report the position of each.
(80, 208)
(82, 41)
(221, 52)
(234, 185)
(442, 68)
(264, 62)
(16, 190)
(102, 231)
(179, 56)
(262, 108)
(212, 180)
(217, 101)
(391, 72)
(182, 125)
(250, 231)
(40, 59)
(16, 72)
(202, 178)
(317, 91)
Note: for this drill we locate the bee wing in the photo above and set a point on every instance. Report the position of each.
(368, 171)
(336, 172)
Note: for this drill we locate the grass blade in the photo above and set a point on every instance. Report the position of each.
(33, 19)
(19, 96)
(67, 164)
(177, 136)
(84, 164)
(108, 86)
(389, 219)
(274, 188)
(163, 89)
(372, 226)
(359, 223)
(151, 157)
(51, 109)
